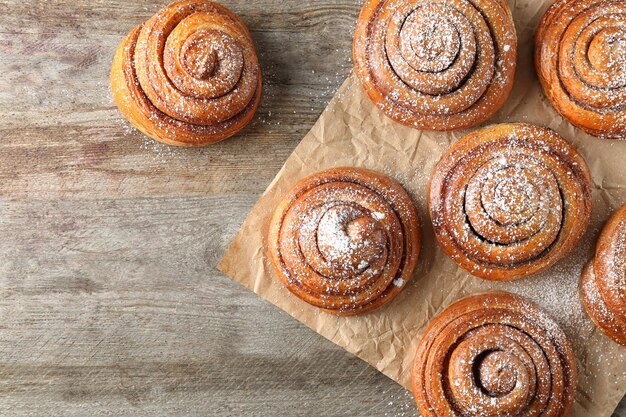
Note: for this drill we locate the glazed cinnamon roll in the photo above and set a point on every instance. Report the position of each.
(189, 76)
(441, 65)
(494, 355)
(603, 284)
(580, 56)
(345, 240)
(510, 200)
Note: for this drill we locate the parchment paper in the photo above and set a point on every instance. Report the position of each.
(352, 132)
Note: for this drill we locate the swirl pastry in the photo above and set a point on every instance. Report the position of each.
(440, 65)
(580, 56)
(603, 284)
(345, 240)
(510, 200)
(189, 76)
(494, 355)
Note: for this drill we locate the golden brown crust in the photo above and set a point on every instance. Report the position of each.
(603, 283)
(493, 355)
(189, 76)
(436, 66)
(345, 240)
(580, 57)
(510, 200)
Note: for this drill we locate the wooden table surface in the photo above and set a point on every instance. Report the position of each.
(110, 300)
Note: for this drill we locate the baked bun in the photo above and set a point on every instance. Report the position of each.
(442, 65)
(510, 200)
(603, 284)
(189, 76)
(345, 240)
(494, 355)
(580, 56)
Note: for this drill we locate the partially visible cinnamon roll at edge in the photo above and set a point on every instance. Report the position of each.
(580, 57)
(603, 284)
(494, 355)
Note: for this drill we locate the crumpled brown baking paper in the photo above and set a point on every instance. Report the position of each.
(352, 132)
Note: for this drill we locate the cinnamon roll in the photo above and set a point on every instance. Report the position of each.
(189, 76)
(494, 355)
(603, 284)
(580, 57)
(441, 65)
(345, 240)
(510, 200)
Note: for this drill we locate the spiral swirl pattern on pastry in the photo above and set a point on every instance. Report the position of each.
(345, 240)
(581, 62)
(189, 76)
(603, 285)
(440, 65)
(509, 200)
(494, 355)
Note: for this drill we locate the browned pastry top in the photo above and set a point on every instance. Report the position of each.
(494, 355)
(345, 240)
(441, 65)
(189, 76)
(580, 56)
(603, 286)
(510, 200)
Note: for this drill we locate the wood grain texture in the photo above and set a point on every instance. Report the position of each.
(110, 301)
